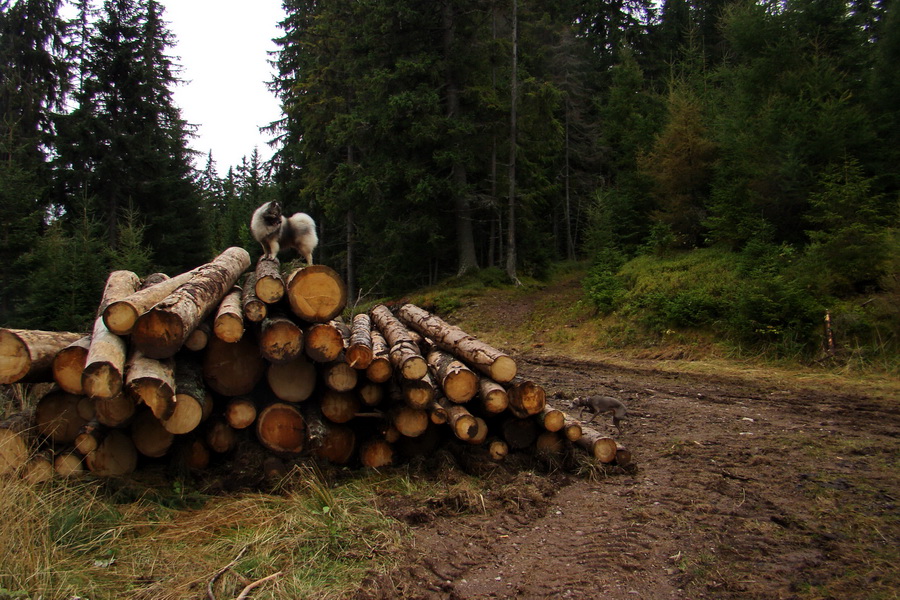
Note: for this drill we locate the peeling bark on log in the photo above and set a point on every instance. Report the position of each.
(324, 342)
(149, 436)
(17, 436)
(121, 315)
(459, 382)
(359, 351)
(463, 425)
(602, 448)
(316, 293)
(116, 456)
(255, 310)
(59, 415)
(404, 353)
(228, 324)
(68, 365)
(526, 398)
(26, 356)
(280, 339)
(233, 369)
(240, 412)
(293, 381)
(161, 331)
(493, 396)
(379, 369)
(193, 402)
(487, 359)
(152, 382)
(281, 428)
(269, 285)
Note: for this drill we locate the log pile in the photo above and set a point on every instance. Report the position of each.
(192, 367)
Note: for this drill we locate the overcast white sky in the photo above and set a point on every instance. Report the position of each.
(222, 49)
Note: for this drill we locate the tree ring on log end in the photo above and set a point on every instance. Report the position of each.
(316, 293)
(158, 334)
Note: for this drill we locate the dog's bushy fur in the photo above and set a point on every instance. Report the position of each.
(275, 232)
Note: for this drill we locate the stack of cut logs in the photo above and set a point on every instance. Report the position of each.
(184, 367)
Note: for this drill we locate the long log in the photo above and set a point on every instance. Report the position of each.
(379, 369)
(121, 315)
(293, 381)
(359, 351)
(27, 355)
(484, 357)
(526, 397)
(462, 423)
(161, 331)
(17, 437)
(280, 427)
(459, 382)
(493, 397)
(601, 447)
(551, 419)
(572, 429)
(255, 310)
(269, 285)
(152, 382)
(280, 339)
(404, 354)
(228, 324)
(316, 293)
(233, 369)
(68, 365)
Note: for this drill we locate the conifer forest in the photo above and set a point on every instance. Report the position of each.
(754, 142)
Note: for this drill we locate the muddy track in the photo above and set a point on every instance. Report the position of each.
(741, 490)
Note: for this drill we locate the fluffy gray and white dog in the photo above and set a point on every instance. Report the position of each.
(275, 232)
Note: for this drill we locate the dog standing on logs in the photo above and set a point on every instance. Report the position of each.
(601, 404)
(274, 231)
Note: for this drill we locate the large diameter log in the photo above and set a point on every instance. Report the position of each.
(121, 315)
(493, 397)
(152, 382)
(339, 407)
(255, 310)
(27, 355)
(526, 398)
(293, 381)
(115, 411)
(337, 445)
(17, 435)
(280, 339)
(228, 324)
(192, 400)
(379, 369)
(487, 359)
(68, 365)
(269, 285)
(459, 382)
(104, 366)
(405, 356)
(233, 369)
(59, 415)
(161, 331)
(149, 435)
(280, 427)
(316, 293)
(323, 342)
(114, 457)
(599, 446)
(359, 352)
(411, 422)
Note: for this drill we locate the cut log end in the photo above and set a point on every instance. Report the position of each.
(503, 369)
(120, 317)
(158, 334)
(316, 293)
(281, 428)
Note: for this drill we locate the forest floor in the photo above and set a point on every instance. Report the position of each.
(746, 483)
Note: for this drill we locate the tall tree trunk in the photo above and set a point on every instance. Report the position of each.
(513, 99)
(351, 225)
(570, 243)
(465, 237)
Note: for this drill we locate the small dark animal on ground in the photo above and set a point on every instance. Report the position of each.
(601, 404)
(274, 231)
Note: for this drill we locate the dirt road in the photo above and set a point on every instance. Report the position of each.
(741, 490)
